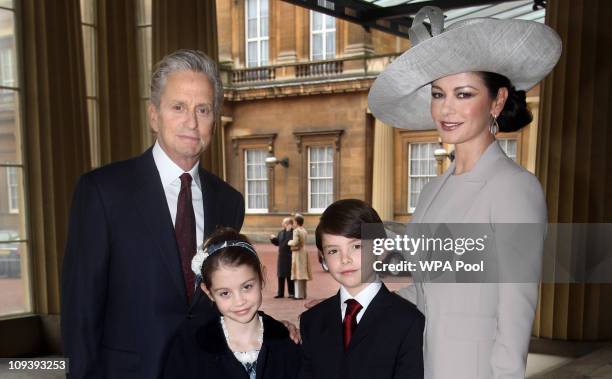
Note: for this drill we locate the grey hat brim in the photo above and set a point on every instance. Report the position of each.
(523, 51)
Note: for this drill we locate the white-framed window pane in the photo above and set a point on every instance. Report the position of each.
(14, 245)
(320, 177)
(330, 45)
(322, 36)
(508, 145)
(12, 188)
(14, 288)
(251, 9)
(317, 21)
(11, 196)
(422, 166)
(252, 28)
(264, 53)
(8, 55)
(256, 32)
(330, 22)
(264, 27)
(317, 46)
(253, 57)
(10, 126)
(256, 180)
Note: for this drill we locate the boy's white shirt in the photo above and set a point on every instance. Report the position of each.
(364, 297)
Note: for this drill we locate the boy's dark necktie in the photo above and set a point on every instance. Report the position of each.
(185, 231)
(350, 321)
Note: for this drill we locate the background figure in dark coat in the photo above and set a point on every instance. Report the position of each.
(283, 265)
(124, 292)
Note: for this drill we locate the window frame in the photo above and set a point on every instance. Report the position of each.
(410, 208)
(22, 240)
(324, 31)
(254, 141)
(402, 145)
(309, 148)
(259, 39)
(12, 189)
(248, 209)
(306, 139)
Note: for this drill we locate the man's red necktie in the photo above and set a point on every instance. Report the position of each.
(185, 231)
(350, 321)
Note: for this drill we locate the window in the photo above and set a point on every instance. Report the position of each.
(90, 49)
(322, 36)
(422, 166)
(14, 240)
(6, 68)
(12, 184)
(145, 61)
(319, 152)
(320, 177)
(256, 33)
(256, 180)
(508, 145)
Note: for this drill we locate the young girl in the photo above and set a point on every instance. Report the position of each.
(240, 341)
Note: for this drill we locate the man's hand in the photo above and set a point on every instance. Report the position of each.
(294, 334)
(312, 303)
(272, 236)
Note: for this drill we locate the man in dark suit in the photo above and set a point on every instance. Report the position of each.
(134, 226)
(283, 265)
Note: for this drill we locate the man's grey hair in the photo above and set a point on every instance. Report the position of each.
(188, 60)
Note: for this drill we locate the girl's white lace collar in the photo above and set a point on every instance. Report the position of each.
(244, 356)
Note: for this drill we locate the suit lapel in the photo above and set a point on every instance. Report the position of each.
(210, 203)
(150, 199)
(373, 316)
(332, 329)
(425, 201)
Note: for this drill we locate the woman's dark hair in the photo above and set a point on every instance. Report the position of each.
(344, 218)
(232, 256)
(515, 114)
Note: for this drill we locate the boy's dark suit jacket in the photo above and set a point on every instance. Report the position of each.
(123, 294)
(388, 342)
(200, 351)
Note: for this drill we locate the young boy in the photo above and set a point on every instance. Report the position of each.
(364, 331)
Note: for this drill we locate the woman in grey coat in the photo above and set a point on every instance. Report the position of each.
(469, 83)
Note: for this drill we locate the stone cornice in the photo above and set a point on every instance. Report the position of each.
(304, 88)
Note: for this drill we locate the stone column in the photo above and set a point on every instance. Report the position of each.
(382, 176)
(574, 153)
(286, 38)
(358, 41)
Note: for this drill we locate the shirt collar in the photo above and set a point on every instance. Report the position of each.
(169, 171)
(364, 297)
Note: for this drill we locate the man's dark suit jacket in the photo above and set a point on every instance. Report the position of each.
(388, 342)
(200, 351)
(123, 293)
(283, 265)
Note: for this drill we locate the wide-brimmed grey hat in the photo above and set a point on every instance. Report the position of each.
(523, 51)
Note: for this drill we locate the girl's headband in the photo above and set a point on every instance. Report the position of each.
(202, 254)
